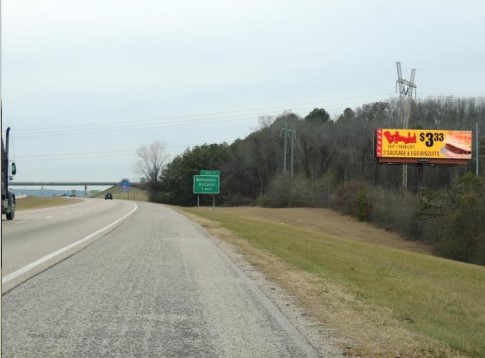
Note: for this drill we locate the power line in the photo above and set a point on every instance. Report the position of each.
(437, 94)
(91, 154)
(182, 120)
(54, 155)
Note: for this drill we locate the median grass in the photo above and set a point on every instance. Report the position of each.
(388, 299)
(34, 202)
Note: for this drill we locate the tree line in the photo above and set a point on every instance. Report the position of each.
(333, 165)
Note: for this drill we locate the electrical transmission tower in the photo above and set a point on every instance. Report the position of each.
(406, 89)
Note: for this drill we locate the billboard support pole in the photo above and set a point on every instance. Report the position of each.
(477, 149)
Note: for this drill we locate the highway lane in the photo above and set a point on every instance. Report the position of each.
(155, 286)
(36, 234)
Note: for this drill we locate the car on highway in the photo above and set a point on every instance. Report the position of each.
(108, 196)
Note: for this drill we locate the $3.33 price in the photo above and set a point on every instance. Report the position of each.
(429, 138)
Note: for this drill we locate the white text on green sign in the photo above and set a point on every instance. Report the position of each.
(206, 184)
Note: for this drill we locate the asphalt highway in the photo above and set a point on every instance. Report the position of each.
(39, 238)
(153, 285)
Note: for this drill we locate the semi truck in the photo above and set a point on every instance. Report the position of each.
(8, 171)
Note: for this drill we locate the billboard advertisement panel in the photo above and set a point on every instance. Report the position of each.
(424, 144)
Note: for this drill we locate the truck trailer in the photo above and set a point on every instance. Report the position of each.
(8, 171)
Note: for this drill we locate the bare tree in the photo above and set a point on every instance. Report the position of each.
(151, 161)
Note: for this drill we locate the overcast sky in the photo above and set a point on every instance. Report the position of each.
(85, 83)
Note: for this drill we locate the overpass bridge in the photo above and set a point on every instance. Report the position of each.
(43, 184)
(65, 183)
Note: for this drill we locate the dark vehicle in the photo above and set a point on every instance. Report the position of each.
(108, 196)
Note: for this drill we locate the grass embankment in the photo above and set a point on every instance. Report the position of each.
(33, 202)
(134, 194)
(376, 290)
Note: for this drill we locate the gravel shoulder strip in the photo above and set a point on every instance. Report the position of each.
(322, 338)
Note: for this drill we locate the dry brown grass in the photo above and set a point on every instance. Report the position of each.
(332, 223)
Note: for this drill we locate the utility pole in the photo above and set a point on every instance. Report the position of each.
(285, 135)
(405, 98)
(293, 135)
(289, 133)
(477, 151)
(478, 136)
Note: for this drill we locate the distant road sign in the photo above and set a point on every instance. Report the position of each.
(125, 186)
(210, 172)
(206, 184)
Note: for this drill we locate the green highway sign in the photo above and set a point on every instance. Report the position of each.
(210, 172)
(206, 184)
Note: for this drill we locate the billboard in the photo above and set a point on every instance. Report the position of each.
(423, 145)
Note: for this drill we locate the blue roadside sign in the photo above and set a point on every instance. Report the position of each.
(125, 186)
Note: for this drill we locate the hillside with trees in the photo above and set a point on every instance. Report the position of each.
(333, 165)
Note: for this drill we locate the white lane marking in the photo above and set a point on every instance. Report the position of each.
(67, 213)
(49, 217)
(40, 261)
(19, 222)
